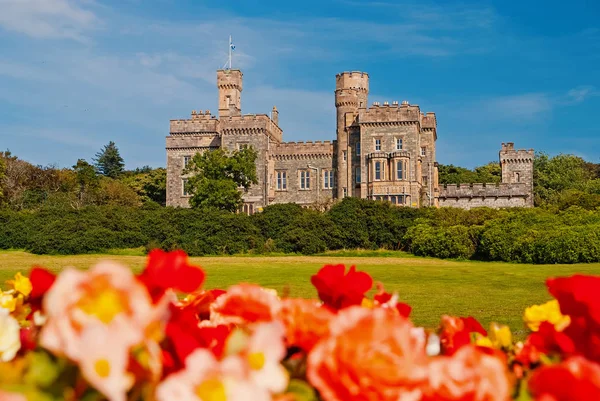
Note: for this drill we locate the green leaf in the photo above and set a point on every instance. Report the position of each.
(302, 391)
(43, 370)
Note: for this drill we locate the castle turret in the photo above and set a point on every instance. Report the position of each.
(351, 93)
(229, 83)
(517, 167)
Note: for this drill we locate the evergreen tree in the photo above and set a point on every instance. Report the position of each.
(109, 162)
(217, 177)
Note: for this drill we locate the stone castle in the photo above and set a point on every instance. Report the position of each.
(383, 152)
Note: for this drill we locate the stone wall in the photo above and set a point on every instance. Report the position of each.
(293, 157)
(467, 196)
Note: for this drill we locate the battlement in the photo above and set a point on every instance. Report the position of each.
(428, 120)
(251, 124)
(229, 79)
(198, 123)
(390, 113)
(493, 190)
(303, 149)
(508, 154)
(356, 80)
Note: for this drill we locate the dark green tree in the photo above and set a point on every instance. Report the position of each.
(216, 178)
(150, 184)
(554, 175)
(109, 162)
(2, 177)
(87, 179)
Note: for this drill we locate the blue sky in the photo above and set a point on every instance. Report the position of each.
(75, 74)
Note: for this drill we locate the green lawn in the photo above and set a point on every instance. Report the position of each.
(488, 291)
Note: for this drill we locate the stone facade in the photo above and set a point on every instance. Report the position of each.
(515, 190)
(382, 152)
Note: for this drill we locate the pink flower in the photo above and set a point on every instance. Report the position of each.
(206, 379)
(245, 303)
(109, 306)
(370, 355)
(469, 374)
(265, 351)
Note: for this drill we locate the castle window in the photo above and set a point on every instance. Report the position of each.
(423, 151)
(243, 146)
(400, 170)
(327, 179)
(393, 199)
(345, 192)
(248, 208)
(357, 148)
(282, 180)
(304, 179)
(186, 161)
(517, 176)
(398, 143)
(184, 189)
(345, 157)
(378, 144)
(357, 175)
(425, 180)
(378, 171)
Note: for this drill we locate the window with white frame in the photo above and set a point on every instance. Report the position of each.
(327, 179)
(186, 161)
(281, 180)
(377, 144)
(357, 148)
(184, 189)
(357, 177)
(399, 144)
(423, 151)
(304, 176)
(378, 171)
(400, 170)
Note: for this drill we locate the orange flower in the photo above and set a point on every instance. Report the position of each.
(306, 322)
(370, 355)
(469, 374)
(245, 303)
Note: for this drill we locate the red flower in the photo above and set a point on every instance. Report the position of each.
(41, 281)
(575, 379)
(170, 270)
(382, 297)
(184, 335)
(201, 302)
(457, 332)
(339, 290)
(578, 297)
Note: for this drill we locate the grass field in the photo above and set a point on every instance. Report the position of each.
(486, 290)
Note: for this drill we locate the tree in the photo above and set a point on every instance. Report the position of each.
(216, 178)
(87, 179)
(150, 184)
(488, 173)
(554, 175)
(2, 176)
(109, 162)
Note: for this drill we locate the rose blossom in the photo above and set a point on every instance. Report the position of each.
(370, 355)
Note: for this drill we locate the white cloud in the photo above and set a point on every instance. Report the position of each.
(47, 18)
(522, 106)
(581, 93)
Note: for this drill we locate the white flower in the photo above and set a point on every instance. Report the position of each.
(10, 340)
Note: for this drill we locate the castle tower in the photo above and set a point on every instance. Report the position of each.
(351, 93)
(517, 167)
(275, 115)
(229, 83)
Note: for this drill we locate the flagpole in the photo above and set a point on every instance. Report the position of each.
(230, 52)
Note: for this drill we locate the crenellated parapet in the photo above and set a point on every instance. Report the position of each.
(493, 190)
(303, 150)
(199, 122)
(251, 124)
(390, 114)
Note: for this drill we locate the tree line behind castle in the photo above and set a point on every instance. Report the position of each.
(101, 206)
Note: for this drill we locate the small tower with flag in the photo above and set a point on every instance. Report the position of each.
(229, 82)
